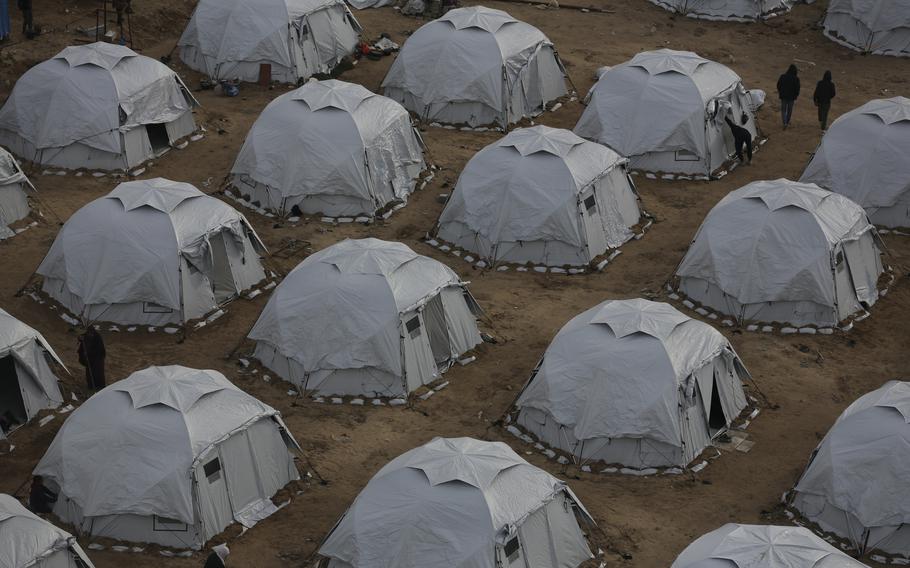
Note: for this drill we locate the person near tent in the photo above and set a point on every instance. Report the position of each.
(91, 356)
(788, 92)
(40, 498)
(741, 137)
(824, 92)
(218, 556)
(25, 6)
(5, 27)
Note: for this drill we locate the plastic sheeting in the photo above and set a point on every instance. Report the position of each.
(90, 94)
(873, 26)
(736, 10)
(773, 241)
(28, 540)
(762, 546)
(130, 449)
(446, 504)
(864, 156)
(333, 140)
(13, 199)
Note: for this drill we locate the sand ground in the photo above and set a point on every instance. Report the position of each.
(645, 522)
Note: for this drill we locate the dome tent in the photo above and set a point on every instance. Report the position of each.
(98, 106)
(476, 66)
(169, 455)
(330, 147)
(855, 485)
(541, 195)
(366, 317)
(460, 502)
(27, 540)
(880, 27)
(762, 546)
(782, 251)
(151, 252)
(665, 110)
(14, 189)
(27, 384)
(633, 382)
(734, 10)
(228, 39)
(864, 156)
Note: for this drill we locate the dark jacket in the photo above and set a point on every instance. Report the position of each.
(41, 499)
(91, 355)
(824, 90)
(788, 85)
(213, 561)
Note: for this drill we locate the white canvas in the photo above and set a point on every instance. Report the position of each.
(27, 540)
(728, 10)
(880, 27)
(14, 189)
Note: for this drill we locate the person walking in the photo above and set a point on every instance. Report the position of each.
(788, 92)
(824, 92)
(742, 138)
(91, 356)
(25, 6)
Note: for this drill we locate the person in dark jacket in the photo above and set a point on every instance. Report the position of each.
(40, 498)
(25, 6)
(788, 92)
(218, 556)
(741, 137)
(824, 92)
(91, 356)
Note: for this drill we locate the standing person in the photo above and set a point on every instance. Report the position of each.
(25, 6)
(824, 92)
(218, 556)
(40, 498)
(5, 27)
(788, 92)
(741, 137)
(91, 356)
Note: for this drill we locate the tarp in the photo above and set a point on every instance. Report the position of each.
(13, 199)
(762, 546)
(130, 448)
(864, 154)
(654, 102)
(23, 342)
(89, 94)
(28, 540)
(736, 10)
(445, 504)
(346, 302)
(876, 26)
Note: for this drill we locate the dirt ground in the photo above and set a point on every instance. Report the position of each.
(646, 522)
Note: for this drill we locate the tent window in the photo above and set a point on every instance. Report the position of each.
(413, 326)
(153, 308)
(511, 549)
(591, 204)
(164, 524)
(212, 470)
(686, 156)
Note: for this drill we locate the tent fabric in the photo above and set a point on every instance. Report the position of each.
(13, 197)
(762, 546)
(733, 10)
(528, 187)
(137, 243)
(476, 66)
(131, 448)
(336, 145)
(623, 368)
(341, 309)
(90, 95)
(778, 241)
(298, 38)
(28, 540)
(860, 470)
(452, 503)
(665, 101)
(880, 27)
(863, 156)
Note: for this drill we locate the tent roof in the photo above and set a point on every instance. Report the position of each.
(10, 171)
(158, 193)
(876, 15)
(896, 109)
(24, 536)
(14, 332)
(130, 448)
(639, 316)
(101, 54)
(332, 93)
(480, 17)
(542, 138)
(762, 546)
(862, 465)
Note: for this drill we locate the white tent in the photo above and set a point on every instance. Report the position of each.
(366, 317)
(27, 384)
(14, 188)
(762, 546)
(732, 10)
(476, 66)
(28, 541)
(782, 251)
(881, 27)
(460, 502)
(329, 147)
(98, 106)
(151, 252)
(864, 156)
(227, 39)
(541, 195)
(665, 111)
(169, 455)
(636, 383)
(856, 483)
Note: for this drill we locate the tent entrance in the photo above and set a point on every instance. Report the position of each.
(717, 420)
(158, 138)
(222, 278)
(435, 319)
(12, 407)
